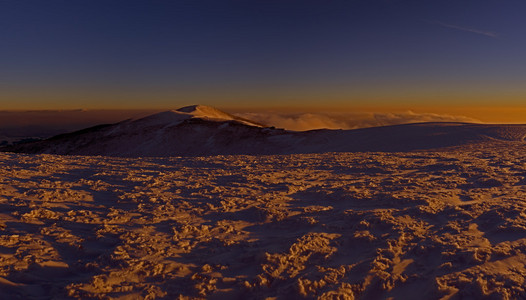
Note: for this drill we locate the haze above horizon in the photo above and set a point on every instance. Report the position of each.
(455, 57)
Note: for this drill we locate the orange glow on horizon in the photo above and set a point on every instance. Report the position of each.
(483, 109)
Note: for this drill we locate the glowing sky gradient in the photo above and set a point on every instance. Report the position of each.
(165, 54)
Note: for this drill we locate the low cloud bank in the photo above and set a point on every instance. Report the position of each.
(353, 120)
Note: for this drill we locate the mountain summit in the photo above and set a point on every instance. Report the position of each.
(203, 111)
(194, 112)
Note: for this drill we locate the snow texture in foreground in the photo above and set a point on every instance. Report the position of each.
(365, 225)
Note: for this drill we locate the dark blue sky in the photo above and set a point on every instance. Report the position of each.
(126, 54)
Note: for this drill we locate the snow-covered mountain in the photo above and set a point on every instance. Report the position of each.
(173, 117)
(201, 130)
(188, 131)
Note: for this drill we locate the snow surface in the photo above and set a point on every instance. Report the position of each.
(415, 225)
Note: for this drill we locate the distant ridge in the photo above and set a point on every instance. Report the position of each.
(199, 130)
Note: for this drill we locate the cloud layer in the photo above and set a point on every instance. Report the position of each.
(354, 120)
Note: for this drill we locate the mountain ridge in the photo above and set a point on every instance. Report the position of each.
(202, 131)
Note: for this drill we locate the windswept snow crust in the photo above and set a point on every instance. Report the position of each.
(416, 225)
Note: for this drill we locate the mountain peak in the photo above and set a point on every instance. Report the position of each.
(192, 108)
(203, 111)
(211, 113)
(172, 117)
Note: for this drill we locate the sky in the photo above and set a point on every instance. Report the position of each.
(127, 54)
